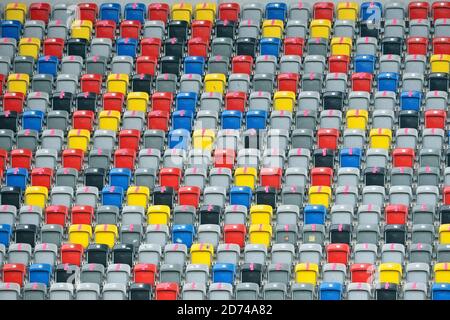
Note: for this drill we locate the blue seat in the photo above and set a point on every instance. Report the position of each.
(182, 119)
(33, 120)
(315, 214)
(269, 46)
(371, 11)
(194, 64)
(120, 177)
(40, 273)
(256, 119)
(111, 11)
(183, 233)
(231, 119)
(365, 63)
(330, 291)
(411, 100)
(350, 157)
(48, 65)
(179, 139)
(387, 81)
(440, 291)
(186, 101)
(127, 47)
(11, 29)
(224, 272)
(17, 177)
(276, 11)
(241, 196)
(112, 196)
(136, 11)
(5, 234)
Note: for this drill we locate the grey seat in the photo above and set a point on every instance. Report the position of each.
(197, 273)
(23, 64)
(310, 253)
(211, 101)
(312, 82)
(193, 291)
(417, 272)
(66, 177)
(157, 234)
(228, 253)
(92, 273)
(145, 177)
(114, 291)
(154, 139)
(358, 100)
(175, 254)
(96, 65)
(359, 291)
(42, 83)
(368, 233)
(344, 28)
(299, 11)
(170, 273)
(365, 253)
(296, 28)
(5, 65)
(247, 291)
(118, 273)
(30, 215)
(107, 215)
(46, 158)
(278, 273)
(56, 29)
(313, 233)
(415, 291)
(67, 83)
(263, 82)
(101, 47)
(259, 100)
(290, 64)
(385, 100)
(274, 291)
(419, 28)
(8, 48)
(423, 233)
(27, 139)
(34, 29)
(248, 28)
(220, 291)
(348, 177)
(72, 65)
(154, 29)
(61, 291)
(166, 82)
(420, 253)
(441, 28)
(303, 291)
(415, 64)
(222, 47)
(149, 253)
(87, 291)
(366, 46)
(34, 291)
(266, 64)
(191, 83)
(52, 139)
(122, 65)
(9, 291)
(52, 233)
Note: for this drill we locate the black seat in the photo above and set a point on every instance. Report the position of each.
(178, 29)
(77, 47)
(225, 29)
(210, 214)
(95, 177)
(123, 253)
(140, 291)
(324, 158)
(267, 196)
(375, 176)
(62, 101)
(9, 120)
(142, 83)
(246, 47)
(97, 253)
(333, 100)
(408, 119)
(163, 196)
(11, 196)
(87, 101)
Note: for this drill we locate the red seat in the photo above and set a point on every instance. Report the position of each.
(82, 215)
(441, 10)
(129, 139)
(13, 101)
(3, 158)
(158, 11)
(338, 64)
(83, 119)
(105, 29)
(435, 119)
(151, 47)
(189, 196)
(124, 158)
(403, 157)
(2, 83)
(288, 82)
(417, 45)
(170, 177)
(167, 291)
(88, 11)
(130, 29)
(113, 101)
(53, 47)
(294, 46)
(42, 177)
(236, 101)
(91, 83)
(162, 101)
(234, 234)
(21, 158)
(201, 29)
(73, 158)
(362, 272)
(323, 10)
(362, 81)
(242, 64)
(271, 177)
(146, 65)
(418, 10)
(158, 120)
(229, 11)
(56, 215)
(224, 158)
(72, 253)
(40, 11)
(328, 138)
(198, 47)
(338, 253)
(321, 176)
(396, 214)
(441, 45)
(144, 273)
(14, 273)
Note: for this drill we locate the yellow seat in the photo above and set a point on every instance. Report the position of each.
(390, 272)
(18, 82)
(30, 47)
(320, 28)
(341, 46)
(109, 120)
(16, 11)
(357, 119)
(320, 195)
(202, 253)
(347, 11)
(440, 63)
(205, 11)
(273, 29)
(284, 101)
(81, 29)
(138, 196)
(215, 82)
(78, 139)
(306, 273)
(117, 82)
(106, 234)
(36, 196)
(260, 234)
(442, 272)
(245, 177)
(182, 11)
(444, 234)
(80, 234)
(261, 214)
(159, 214)
(380, 138)
(203, 139)
(137, 101)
